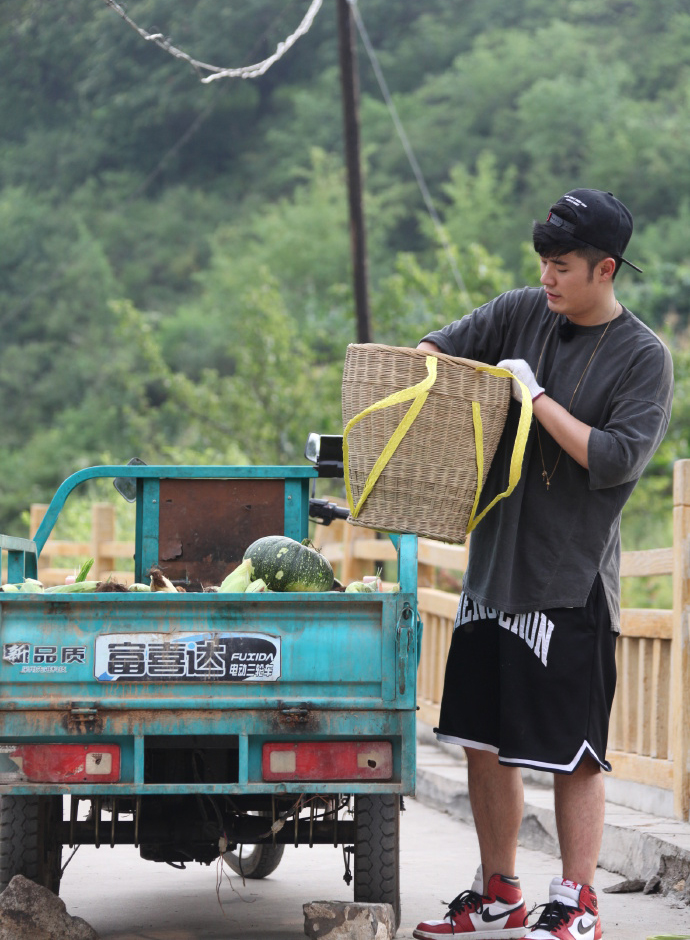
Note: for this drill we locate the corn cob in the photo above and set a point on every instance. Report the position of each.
(31, 586)
(359, 587)
(77, 587)
(238, 580)
(160, 583)
(256, 587)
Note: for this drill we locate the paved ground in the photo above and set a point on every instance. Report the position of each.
(125, 898)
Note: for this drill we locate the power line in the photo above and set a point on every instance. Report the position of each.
(66, 267)
(200, 118)
(407, 147)
(245, 71)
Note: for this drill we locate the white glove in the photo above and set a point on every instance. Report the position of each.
(522, 371)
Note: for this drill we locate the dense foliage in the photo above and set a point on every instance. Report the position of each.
(174, 257)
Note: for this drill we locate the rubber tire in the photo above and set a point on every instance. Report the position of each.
(261, 861)
(28, 840)
(377, 850)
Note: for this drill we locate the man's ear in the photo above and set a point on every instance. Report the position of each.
(607, 268)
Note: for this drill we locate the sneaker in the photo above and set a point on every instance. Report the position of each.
(571, 914)
(500, 914)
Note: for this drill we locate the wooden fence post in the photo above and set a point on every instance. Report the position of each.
(680, 647)
(353, 568)
(102, 532)
(36, 513)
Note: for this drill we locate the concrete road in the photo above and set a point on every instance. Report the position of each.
(125, 898)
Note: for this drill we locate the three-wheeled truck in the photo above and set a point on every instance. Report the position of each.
(197, 724)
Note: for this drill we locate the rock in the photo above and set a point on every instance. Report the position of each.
(347, 920)
(31, 912)
(652, 885)
(627, 887)
(671, 879)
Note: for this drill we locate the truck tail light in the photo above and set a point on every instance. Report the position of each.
(67, 763)
(328, 760)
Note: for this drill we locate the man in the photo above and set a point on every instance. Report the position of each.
(530, 675)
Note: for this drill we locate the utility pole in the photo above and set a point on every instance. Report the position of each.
(350, 96)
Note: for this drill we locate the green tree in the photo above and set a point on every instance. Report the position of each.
(480, 207)
(417, 299)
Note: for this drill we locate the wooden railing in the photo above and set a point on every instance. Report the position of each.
(649, 738)
(110, 556)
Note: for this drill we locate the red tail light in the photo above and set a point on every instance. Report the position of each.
(328, 760)
(68, 763)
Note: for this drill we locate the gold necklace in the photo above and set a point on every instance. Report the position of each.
(546, 476)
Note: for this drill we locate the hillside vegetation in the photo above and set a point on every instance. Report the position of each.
(174, 256)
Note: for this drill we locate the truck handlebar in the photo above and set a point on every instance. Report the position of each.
(320, 510)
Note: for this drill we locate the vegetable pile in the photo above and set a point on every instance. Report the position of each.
(273, 563)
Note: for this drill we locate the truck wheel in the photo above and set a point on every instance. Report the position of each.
(29, 843)
(258, 863)
(377, 850)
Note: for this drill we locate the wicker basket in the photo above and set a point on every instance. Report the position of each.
(429, 484)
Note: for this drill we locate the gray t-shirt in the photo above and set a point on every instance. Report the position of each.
(540, 548)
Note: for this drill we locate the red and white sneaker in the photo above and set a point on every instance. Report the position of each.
(500, 914)
(571, 914)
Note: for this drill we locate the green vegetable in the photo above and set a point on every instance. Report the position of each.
(238, 580)
(77, 587)
(138, 586)
(31, 586)
(84, 570)
(287, 565)
(28, 586)
(256, 587)
(360, 587)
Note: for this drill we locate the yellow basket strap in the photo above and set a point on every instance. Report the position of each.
(418, 393)
(518, 447)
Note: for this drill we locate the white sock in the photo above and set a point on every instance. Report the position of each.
(478, 883)
(567, 892)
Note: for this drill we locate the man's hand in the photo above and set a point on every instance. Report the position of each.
(428, 347)
(521, 371)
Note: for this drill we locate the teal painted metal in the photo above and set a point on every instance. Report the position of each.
(334, 648)
(127, 668)
(406, 546)
(246, 734)
(21, 558)
(158, 472)
(297, 509)
(146, 549)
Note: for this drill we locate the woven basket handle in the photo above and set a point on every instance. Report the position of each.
(418, 395)
(518, 447)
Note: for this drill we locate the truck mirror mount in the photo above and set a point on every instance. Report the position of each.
(127, 486)
(325, 451)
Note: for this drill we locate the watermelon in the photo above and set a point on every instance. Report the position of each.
(287, 565)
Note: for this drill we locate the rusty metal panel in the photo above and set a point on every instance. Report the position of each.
(205, 526)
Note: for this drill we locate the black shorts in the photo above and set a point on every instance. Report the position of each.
(536, 689)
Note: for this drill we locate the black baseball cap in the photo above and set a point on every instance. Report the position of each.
(602, 221)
